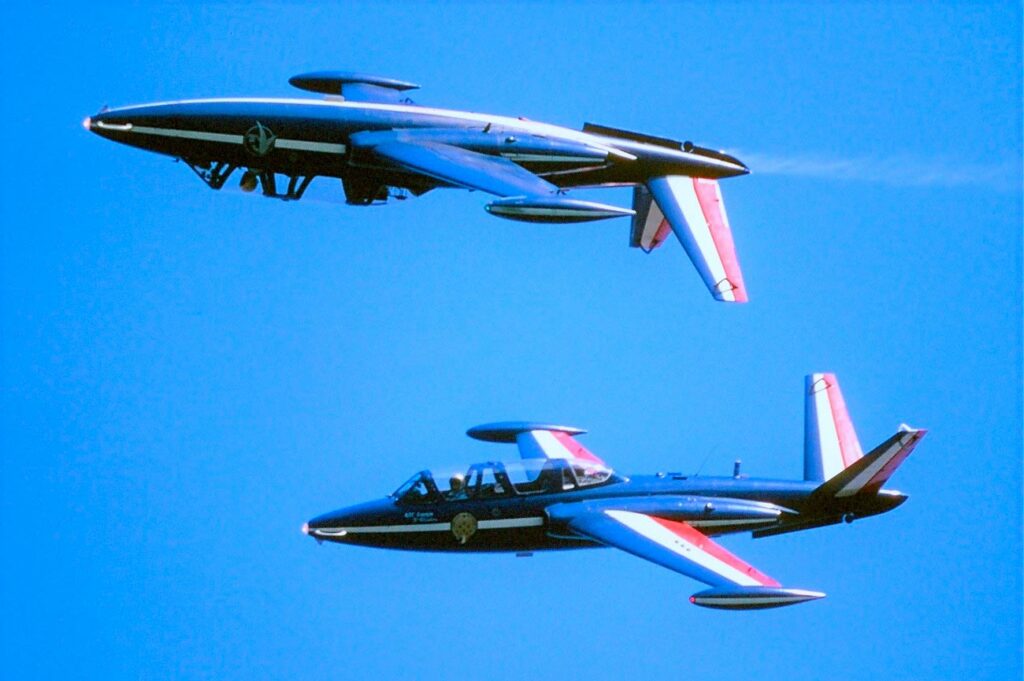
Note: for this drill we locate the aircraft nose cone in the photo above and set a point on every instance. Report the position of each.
(305, 529)
(112, 125)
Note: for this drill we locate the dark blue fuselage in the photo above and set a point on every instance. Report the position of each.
(306, 137)
(515, 522)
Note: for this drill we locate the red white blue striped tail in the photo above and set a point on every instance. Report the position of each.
(830, 441)
(693, 208)
(650, 228)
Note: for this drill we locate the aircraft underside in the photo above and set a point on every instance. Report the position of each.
(381, 146)
(287, 175)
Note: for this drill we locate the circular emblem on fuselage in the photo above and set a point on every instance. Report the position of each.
(258, 141)
(463, 526)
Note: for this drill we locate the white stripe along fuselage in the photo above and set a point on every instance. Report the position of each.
(618, 147)
(499, 524)
(203, 136)
(413, 112)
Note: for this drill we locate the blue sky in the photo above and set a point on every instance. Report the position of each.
(186, 376)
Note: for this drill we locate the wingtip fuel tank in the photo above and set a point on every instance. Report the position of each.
(752, 597)
(553, 209)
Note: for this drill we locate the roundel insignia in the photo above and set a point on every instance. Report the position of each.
(258, 141)
(464, 526)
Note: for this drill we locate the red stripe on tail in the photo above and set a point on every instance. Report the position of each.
(714, 212)
(849, 445)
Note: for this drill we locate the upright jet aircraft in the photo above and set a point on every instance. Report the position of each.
(368, 133)
(561, 496)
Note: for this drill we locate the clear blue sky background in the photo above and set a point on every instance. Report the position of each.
(188, 375)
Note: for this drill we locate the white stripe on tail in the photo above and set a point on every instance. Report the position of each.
(694, 209)
(830, 441)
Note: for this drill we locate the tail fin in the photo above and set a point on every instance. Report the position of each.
(692, 207)
(830, 441)
(650, 228)
(867, 475)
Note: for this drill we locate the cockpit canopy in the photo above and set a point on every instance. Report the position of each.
(495, 479)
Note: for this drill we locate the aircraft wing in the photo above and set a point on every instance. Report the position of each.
(693, 208)
(460, 167)
(669, 543)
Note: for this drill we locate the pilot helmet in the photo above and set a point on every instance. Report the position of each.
(457, 482)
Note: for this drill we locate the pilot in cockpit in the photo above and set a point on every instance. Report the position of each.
(457, 487)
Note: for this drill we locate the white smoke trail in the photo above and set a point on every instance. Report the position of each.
(894, 170)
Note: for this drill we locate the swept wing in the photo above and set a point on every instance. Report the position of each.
(671, 544)
(679, 547)
(461, 167)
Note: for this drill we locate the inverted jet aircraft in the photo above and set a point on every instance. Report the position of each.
(368, 133)
(562, 496)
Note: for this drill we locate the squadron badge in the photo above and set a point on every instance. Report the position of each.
(258, 141)
(463, 527)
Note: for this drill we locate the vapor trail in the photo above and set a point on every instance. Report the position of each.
(894, 170)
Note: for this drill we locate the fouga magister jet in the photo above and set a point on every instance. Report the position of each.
(561, 496)
(368, 133)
